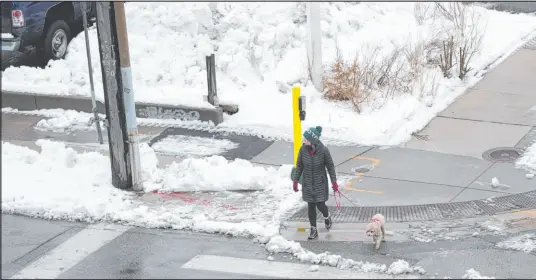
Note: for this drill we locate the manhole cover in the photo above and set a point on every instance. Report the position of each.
(502, 154)
(363, 168)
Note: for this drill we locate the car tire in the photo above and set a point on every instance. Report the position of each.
(56, 41)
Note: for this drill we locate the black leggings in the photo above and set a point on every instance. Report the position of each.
(311, 209)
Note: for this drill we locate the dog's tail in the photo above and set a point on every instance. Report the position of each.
(388, 232)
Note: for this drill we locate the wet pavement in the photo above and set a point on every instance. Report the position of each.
(132, 253)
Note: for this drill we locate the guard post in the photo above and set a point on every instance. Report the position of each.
(298, 115)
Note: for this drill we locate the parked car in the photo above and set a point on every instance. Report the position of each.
(43, 27)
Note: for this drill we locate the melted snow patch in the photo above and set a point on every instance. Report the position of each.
(525, 243)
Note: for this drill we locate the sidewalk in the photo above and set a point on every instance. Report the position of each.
(499, 111)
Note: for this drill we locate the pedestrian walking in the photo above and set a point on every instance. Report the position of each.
(313, 160)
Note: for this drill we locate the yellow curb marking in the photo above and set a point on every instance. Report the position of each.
(375, 162)
(530, 212)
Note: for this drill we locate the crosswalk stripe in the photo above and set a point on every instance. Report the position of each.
(255, 267)
(71, 252)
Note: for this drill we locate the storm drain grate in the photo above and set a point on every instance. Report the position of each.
(427, 212)
(503, 154)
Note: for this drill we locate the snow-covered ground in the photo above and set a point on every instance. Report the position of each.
(260, 52)
(528, 160)
(73, 186)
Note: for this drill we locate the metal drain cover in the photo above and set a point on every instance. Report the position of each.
(363, 168)
(504, 154)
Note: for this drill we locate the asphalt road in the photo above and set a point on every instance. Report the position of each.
(68, 250)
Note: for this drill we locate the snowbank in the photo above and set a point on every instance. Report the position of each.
(528, 160)
(76, 186)
(278, 244)
(260, 51)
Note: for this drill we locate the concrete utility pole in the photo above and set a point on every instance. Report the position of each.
(118, 95)
(314, 44)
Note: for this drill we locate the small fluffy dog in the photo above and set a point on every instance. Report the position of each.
(376, 229)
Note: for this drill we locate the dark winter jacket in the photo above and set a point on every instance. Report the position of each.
(313, 167)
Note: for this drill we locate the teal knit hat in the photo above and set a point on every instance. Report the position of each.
(313, 134)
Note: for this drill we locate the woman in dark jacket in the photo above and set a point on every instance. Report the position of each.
(313, 160)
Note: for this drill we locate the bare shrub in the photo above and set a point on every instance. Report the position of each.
(423, 12)
(370, 78)
(349, 81)
(446, 62)
(466, 32)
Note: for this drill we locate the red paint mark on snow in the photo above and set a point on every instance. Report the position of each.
(188, 199)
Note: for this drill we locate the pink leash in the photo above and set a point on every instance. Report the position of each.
(337, 202)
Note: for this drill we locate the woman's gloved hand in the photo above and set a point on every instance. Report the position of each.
(335, 187)
(295, 185)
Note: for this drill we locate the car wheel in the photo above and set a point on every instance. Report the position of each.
(57, 40)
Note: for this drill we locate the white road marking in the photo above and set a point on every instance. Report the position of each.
(267, 268)
(71, 252)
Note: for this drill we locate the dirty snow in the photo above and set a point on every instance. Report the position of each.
(528, 161)
(278, 244)
(61, 187)
(260, 51)
(67, 121)
(525, 243)
(314, 268)
(184, 145)
(473, 274)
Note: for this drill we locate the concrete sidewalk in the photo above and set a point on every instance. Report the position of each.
(499, 111)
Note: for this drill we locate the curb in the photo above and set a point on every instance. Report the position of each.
(30, 101)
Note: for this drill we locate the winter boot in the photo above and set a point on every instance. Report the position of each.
(328, 222)
(313, 234)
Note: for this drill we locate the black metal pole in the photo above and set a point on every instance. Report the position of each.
(113, 95)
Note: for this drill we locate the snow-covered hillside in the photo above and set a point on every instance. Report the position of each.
(260, 53)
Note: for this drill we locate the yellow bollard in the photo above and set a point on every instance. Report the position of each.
(297, 122)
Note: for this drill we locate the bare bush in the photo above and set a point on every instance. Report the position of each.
(423, 12)
(466, 33)
(446, 62)
(369, 78)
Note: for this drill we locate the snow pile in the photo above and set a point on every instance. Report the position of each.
(473, 274)
(68, 185)
(525, 243)
(184, 145)
(260, 52)
(528, 160)
(278, 244)
(68, 121)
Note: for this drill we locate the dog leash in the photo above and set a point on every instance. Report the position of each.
(338, 203)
